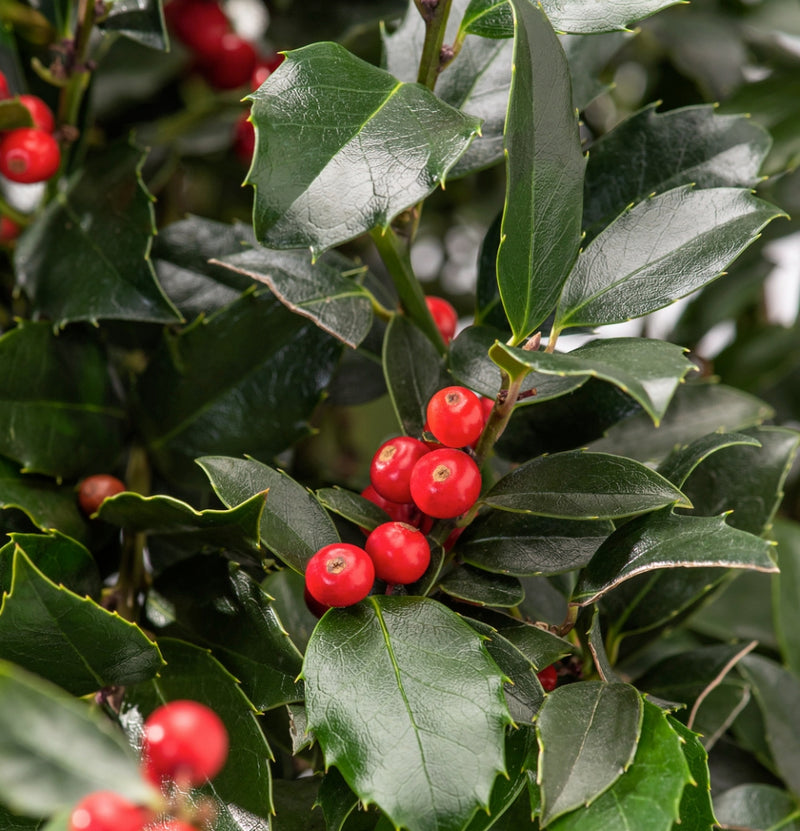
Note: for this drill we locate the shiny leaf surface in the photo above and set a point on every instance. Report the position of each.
(484, 588)
(756, 805)
(678, 466)
(787, 589)
(139, 20)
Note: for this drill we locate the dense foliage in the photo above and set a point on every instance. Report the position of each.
(554, 170)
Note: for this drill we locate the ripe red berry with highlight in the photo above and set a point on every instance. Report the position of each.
(29, 155)
(185, 742)
(548, 678)
(314, 606)
(94, 490)
(199, 24)
(398, 511)
(399, 551)
(231, 65)
(445, 483)
(455, 416)
(391, 466)
(107, 811)
(444, 316)
(340, 574)
(42, 115)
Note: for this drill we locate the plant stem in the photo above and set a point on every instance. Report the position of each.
(435, 15)
(499, 416)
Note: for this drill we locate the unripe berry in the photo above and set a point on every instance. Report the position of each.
(444, 316)
(94, 490)
(42, 115)
(391, 467)
(455, 416)
(340, 574)
(185, 742)
(400, 552)
(29, 155)
(445, 483)
(107, 811)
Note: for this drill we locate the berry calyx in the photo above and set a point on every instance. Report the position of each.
(94, 490)
(445, 483)
(41, 114)
(185, 742)
(444, 316)
(107, 811)
(548, 678)
(455, 416)
(391, 466)
(29, 155)
(340, 574)
(400, 552)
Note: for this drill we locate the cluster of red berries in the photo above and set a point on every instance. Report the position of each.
(184, 744)
(29, 154)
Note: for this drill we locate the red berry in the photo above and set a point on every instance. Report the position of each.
(487, 405)
(244, 139)
(455, 416)
(95, 489)
(444, 316)
(314, 606)
(232, 64)
(107, 811)
(428, 439)
(42, 115)
(392, 464)
(340, 574)
(9, 230)
(548, 678)
(445, 483)
(5, 92)
(200, 24)
(185, 742)
(264, 68)
(398, 511)
(29, 155)
(399, 551)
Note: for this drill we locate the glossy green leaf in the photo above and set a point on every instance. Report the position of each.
(328, 123)
(52, 390)
(409, 707)
(242, 789)
(323, 291)
(103, 220)
(484, 588)
(587, 738)
(244, 379)
(757, 805)
(14, 822)
(335, 799)
(647, 370)
(696, 810)
(652, 152)
(294, 801)
(286, 588)
(678, 466)
(351, 506)
(294, 526)
(665, 540)
(13, 114)
(54, 749)
(235, 530)
(638, 799)
(660, 251)
(216, 605)
(88, 647)
(581, 485)
(540, 232)
(786, 590)
(526, 544)
(538, 645)
(139, 20)
(588, 56)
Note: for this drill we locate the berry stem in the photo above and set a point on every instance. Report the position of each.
(435, 16)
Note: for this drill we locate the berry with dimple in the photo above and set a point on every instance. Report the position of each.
(41, 114)
(444, 316)
(29, 155)
(340, 574)
(184, 742)
(400, 552)
(391, 466)
(445, 483)
(94, 490)
(455, 416)
(548, 678)
(107, 811)
(231, 64)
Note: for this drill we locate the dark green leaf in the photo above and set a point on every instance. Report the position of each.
(294, 800)
(351, 506)
(428, 759)
(294, 526)
(665, 540)
(13, 822)
(525, 544)
(587, 738)
(214, 604)
(245, 781)
(54, 750)
(587, 56)
(245, 379)
(104, 221)
(755, 805)
(652, 152)
(787, 590)
(328, 124)
(679, 465)
(639, 799)
(544, 174)
(539, 646)
(139, 20)
(53, 389)
(647, 370)
(323, 291)
(484, 588)
(335, 799)
(286, 588)
(581, 485)
(662, 250)
(88, 647)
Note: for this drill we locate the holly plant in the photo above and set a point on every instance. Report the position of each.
(401, 488)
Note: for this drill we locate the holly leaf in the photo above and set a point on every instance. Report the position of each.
(427, 760)
(544, 175)
(88, 647)
(327, 123)
(660, 251)
(665, 540)
(587, 737)
(581, 485)
(683, 460)
(483, 588)
(756, 805)
(103, 219)
(787, 614)
(139, 20)
(588, 56)
(352, 507)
